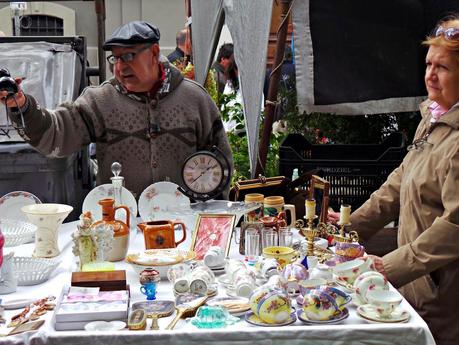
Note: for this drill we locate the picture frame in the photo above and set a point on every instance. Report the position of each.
(320, 192)
(212, 230)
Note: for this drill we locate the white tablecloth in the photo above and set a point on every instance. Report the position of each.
(353, 330)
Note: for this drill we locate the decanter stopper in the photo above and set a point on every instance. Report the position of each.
(116, 169)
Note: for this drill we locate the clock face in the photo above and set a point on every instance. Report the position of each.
(202, 173)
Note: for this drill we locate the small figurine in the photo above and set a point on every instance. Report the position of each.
(90, 244)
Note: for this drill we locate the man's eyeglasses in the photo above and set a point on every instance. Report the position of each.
(128, 57)
(449, 33)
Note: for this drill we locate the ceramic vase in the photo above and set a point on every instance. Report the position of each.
(48, 218)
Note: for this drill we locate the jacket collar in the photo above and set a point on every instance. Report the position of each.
(450, 118)
(172, 79)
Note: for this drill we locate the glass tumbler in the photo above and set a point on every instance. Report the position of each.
(269, 238)
(252, 246)
(285, 237)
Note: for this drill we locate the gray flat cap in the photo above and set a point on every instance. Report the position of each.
(132, 33)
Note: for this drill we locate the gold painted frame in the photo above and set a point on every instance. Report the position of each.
(212, 230)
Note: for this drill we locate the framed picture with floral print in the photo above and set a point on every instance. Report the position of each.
(212, 230)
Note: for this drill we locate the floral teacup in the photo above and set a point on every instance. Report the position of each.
(319, 305)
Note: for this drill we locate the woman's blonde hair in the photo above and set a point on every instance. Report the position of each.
(451, 21)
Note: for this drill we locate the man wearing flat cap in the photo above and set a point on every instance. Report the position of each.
(148, 117)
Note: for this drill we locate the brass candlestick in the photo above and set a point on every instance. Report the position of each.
(350, 237)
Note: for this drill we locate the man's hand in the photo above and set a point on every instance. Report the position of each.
(377, 264)
(14, 101)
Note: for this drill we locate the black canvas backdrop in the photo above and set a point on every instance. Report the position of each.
(371, 50)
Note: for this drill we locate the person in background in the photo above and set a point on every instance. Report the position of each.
(148, 117)
(182, 49)
(225, 59)
(422, 194)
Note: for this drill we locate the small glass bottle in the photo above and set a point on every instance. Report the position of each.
(117, 182)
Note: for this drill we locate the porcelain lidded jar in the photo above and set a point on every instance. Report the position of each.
(149, 275)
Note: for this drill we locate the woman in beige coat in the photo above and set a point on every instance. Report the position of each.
(423, 194)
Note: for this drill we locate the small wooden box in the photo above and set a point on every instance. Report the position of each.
(105, 280)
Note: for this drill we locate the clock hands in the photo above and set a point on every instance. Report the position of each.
(202, 173)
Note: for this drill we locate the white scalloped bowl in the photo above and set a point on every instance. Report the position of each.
(17, 232)
(33, 271)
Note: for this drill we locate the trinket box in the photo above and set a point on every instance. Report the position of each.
(105, 280)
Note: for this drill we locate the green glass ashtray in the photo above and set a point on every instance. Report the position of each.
(213, 317)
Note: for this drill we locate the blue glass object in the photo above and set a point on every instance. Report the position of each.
(149, 290)
(213, 317)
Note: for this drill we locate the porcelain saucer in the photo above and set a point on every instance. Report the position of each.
(105, 326)
(91, 202)
(11, 204)
(162, 197)
(344, 314)
(251, 318)
(368, 312)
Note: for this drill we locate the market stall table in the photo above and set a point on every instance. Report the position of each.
(353, 330)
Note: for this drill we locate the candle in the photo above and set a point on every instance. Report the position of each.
(345, 213)
(310, 208)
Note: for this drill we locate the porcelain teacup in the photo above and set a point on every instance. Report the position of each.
(384, 301)
(270, 304)
(319, 305)
(369, 281)
(310, 284)
(215, 257)
(283, 255)
(348, 271)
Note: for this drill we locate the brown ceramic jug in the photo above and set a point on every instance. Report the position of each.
(120, 229)
(160, 233)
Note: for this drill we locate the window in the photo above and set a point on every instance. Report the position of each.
(40, 25)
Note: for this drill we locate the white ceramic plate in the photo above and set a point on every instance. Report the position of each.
(368, 312)
(103, 191)
(11, 204)
(16, 303)
(105, 326)
(159, 198)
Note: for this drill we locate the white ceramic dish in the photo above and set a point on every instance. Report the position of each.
(103, 191)
(16, 303)
(368, 312)
(159, 198)
(159, 259)
(11, 204)
(17, 232)
(100, 326)
(33, 271)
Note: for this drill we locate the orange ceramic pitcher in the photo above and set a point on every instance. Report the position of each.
(120, 229)
(160, 233)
